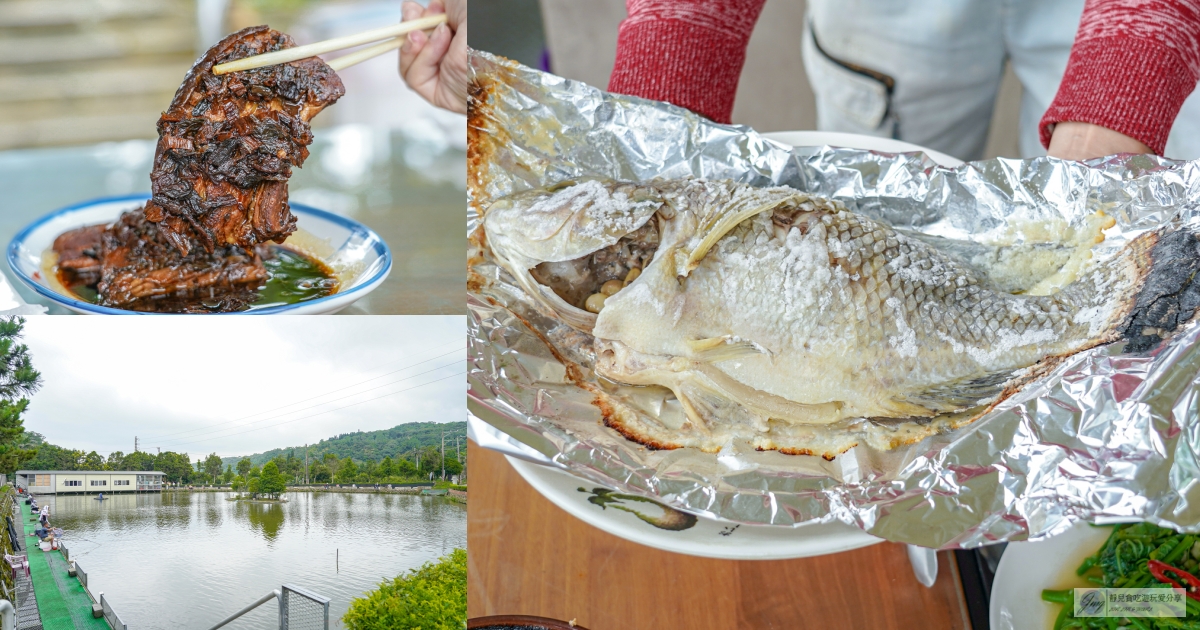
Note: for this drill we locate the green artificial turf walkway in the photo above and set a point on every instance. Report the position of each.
(62, 601)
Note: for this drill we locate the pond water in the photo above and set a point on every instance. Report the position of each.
(181, 560)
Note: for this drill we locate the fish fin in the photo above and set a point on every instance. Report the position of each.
(745, 203)
(724, 348)
(959, 394)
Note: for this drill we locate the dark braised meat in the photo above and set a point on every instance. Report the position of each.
(134, 266)
(79, 253)
(227, 145)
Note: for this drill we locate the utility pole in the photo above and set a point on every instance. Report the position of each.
(159, 449)
(135, 444)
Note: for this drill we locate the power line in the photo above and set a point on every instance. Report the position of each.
(184, 440)
(207, 428)
(328, 410)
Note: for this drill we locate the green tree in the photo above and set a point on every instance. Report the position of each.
(319, 473)
(227, 476)
(174, 465)
(243, 466)
(347, 471)
(114, 461)
(332, 463)
(51, 457)
(255, 472)
(271, 482)
(18, 380)
(254, 486)
(385, 467)
(404, 468)
(212, 466)
(93, 461)
(371, 470)
(138, 460)
(237, 483)
(433, 597)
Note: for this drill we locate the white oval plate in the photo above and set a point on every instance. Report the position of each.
(1026, 568)
(355, 251)
(709, 537)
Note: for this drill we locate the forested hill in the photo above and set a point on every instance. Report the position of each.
(372, 445)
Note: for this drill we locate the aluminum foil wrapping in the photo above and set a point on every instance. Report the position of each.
(1104, 437)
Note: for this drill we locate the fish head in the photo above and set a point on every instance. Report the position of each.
(563, 242)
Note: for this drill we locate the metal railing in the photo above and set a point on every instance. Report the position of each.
(81, 574)
(299, 609)
(110, 615)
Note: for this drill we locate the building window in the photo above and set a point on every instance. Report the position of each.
(72, 482)
(121, 482)
(99, 482)
(39, 480)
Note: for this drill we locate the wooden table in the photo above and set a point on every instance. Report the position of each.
(527, 556)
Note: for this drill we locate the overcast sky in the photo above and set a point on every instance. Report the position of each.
(239, 385)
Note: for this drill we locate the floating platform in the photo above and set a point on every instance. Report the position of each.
(62, 601)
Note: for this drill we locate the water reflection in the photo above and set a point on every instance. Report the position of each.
(210, 556)
(264, 518)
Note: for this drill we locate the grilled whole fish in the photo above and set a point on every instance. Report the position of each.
(789, 321)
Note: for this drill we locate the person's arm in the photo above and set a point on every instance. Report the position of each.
(1131, 67)
(686, 52)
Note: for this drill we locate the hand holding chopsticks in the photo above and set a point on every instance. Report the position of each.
(435, 66)
(394, 34)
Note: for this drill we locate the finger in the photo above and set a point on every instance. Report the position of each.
(422, 74)
(413, 44)
(452, 76)
(410, 11)
(435, 7)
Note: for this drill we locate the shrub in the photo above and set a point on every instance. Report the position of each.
(433, 597)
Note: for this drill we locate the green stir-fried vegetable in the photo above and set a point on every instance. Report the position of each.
(1138, 555)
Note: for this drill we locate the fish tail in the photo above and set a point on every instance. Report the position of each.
(1168, 293)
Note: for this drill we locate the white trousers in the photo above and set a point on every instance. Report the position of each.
(944, 60)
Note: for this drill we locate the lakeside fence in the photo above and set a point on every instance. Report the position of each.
(299, 609)
(110, 615)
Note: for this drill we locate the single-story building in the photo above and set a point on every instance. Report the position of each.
(89, 481)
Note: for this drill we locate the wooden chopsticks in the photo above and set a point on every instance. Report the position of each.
(394, 34)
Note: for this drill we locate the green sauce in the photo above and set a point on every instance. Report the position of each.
(294, 278)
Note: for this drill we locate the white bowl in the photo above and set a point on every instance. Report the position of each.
(1028, 567)
(355, 252)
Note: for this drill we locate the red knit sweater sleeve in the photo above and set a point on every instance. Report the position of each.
(686, 52)
(1133, 64)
